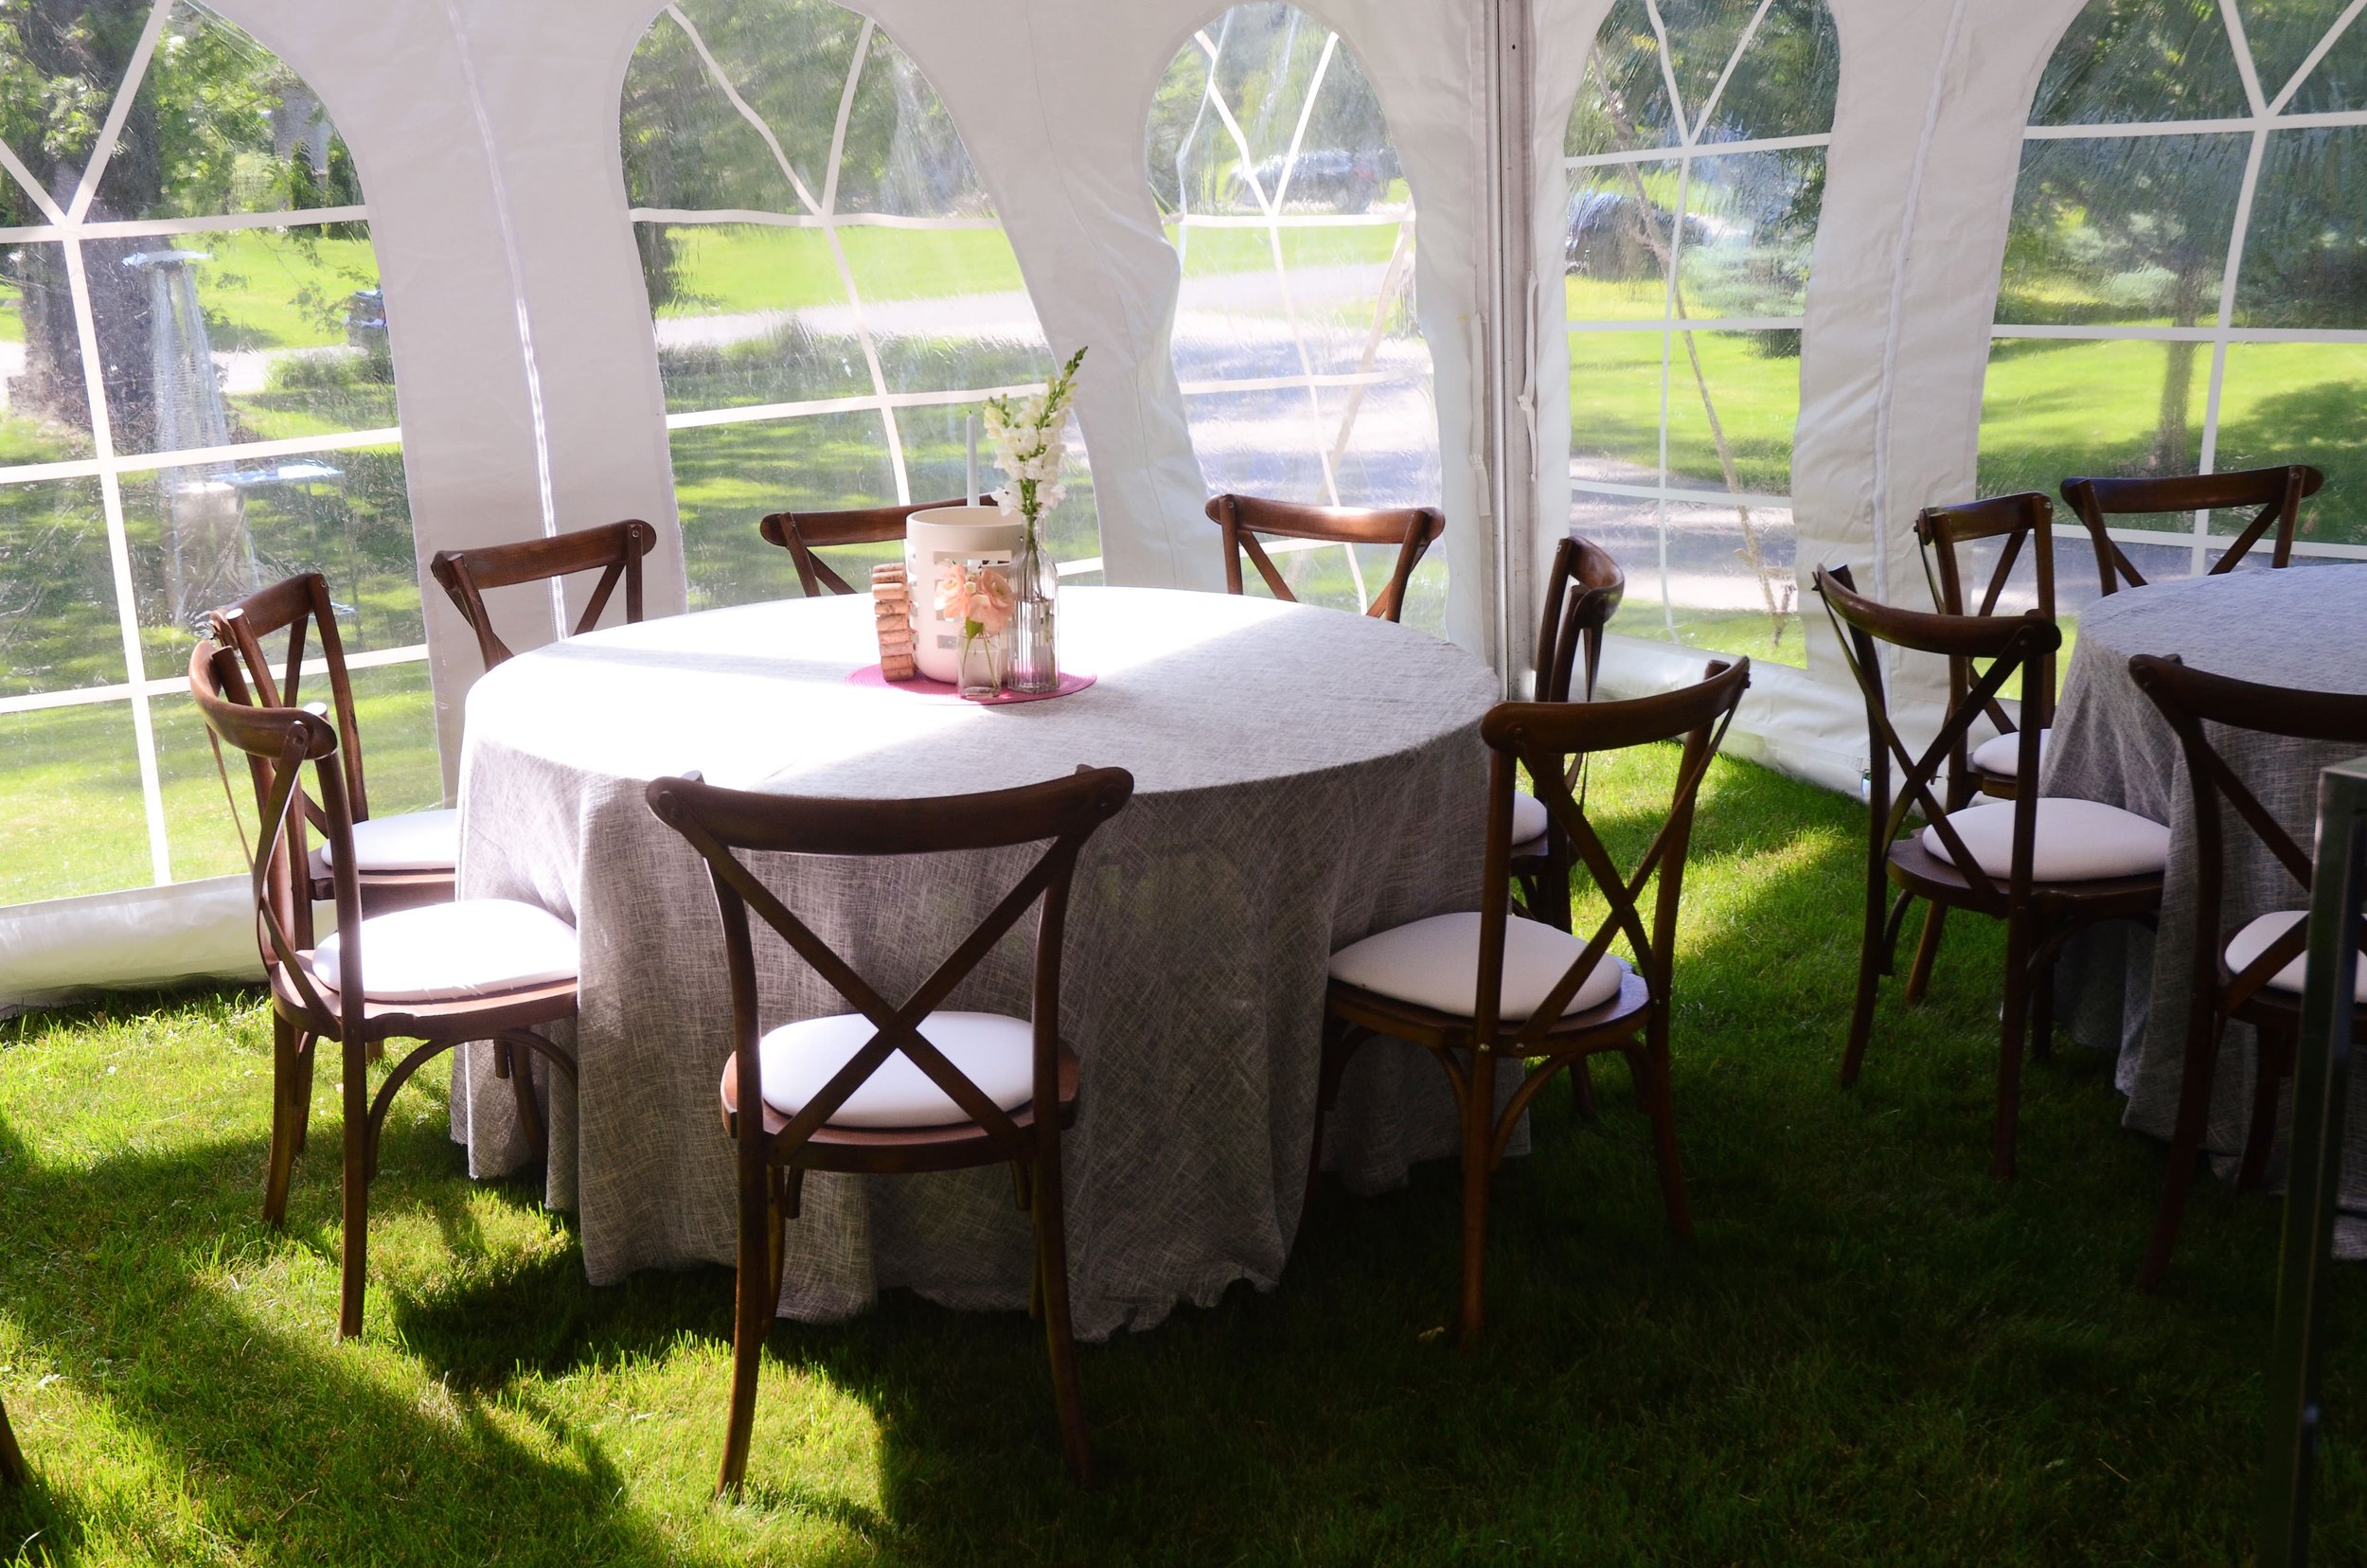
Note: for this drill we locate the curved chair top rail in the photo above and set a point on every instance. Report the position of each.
(1583, 590)
(613, 549)
(1602, 726)
(2277, 492)
(1242, 518)
(1933, 632)
(802, 533)
(813, 825)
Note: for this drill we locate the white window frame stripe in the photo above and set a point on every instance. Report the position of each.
(1689, 324)
(804, 220)
(68, 227)
(1705, 150)
(36, 702)
(2266, 117)
(1682, 494)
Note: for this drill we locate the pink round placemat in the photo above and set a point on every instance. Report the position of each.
(1071, 682)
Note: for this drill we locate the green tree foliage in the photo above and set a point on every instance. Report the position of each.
(2141, 228)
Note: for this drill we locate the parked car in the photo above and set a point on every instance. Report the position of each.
(365, 321)
(1605, 234)
(1332, 177)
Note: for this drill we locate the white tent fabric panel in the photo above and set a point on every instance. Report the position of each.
(486, 137)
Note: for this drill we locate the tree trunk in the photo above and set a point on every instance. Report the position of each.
(2172, 428)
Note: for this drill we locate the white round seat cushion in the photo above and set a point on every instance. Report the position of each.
(2256, 939)
(2077, 841)
(416, 841)
(996, 1053)
(1434, 964)
(456, 952)
(1528, 817)
(2001, 753)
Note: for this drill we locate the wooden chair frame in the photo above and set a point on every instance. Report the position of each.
(774, 1151)
(613, 549)
(802, 533)
(1582, 592)
(2277, 492)
(2039, 916)
(2024, 519)
(300, 606)
(1544, 738)
(1243, 518)
(2189, 700)
(278, 744)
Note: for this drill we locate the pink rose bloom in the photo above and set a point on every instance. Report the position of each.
(953, 591)
(991, 600)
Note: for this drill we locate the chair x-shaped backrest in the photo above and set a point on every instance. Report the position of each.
(614, 550)
(2191, 698)
(1243, 518)
(2010, 645)
(2024, 519)
(277, 742)
(1542, 738)
(2277, 492)
(802, 533)
(715, 822)
(300, 607)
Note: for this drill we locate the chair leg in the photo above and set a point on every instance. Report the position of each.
(2266, 1080)
(285, 1125)
(1479, 1117)
(517, 1065)
(2012, 1027)
(752, 1319)
(2194, 1114)
(1582, 1083)
(307, 1053)
(357, 1187)
(1927, 953)
(1661, 1105)
(1059, 1338)
(1871, 963)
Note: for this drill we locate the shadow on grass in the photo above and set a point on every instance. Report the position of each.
(1869, 1350)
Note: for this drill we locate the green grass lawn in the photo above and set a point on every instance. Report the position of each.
(1869, 1352)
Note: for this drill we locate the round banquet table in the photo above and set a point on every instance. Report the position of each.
(1303, 778)
(2120, 988)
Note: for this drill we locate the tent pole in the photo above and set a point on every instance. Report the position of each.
(1504, 343)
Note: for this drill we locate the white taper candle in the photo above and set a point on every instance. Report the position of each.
(970, 491)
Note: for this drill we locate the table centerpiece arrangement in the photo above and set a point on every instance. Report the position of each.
(1030, 446)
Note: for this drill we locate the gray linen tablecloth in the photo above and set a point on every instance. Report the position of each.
(2303, 627)
(1304, 778)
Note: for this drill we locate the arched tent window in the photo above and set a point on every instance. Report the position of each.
(2186, 281)
(1305, 376)
(831, 291)
(1696, 158)
(198, 400)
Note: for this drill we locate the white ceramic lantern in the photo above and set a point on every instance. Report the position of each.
(969, 537)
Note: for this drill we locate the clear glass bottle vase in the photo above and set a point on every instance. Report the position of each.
(980, 669)
(1035, 665)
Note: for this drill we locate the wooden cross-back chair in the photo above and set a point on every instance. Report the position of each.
(2047, 867)
(1242, 519)
(1482, 989)
(825, 1106)
(2026, 519)
(613, 549)
(802, 533)
(1582, 593)
(13, 1471)
(405, 859)
(2277, 492)
(441, 973)
(2253, 975)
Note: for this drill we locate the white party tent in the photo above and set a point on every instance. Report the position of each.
(1732, 287)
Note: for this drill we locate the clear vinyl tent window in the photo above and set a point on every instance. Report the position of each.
(1695, 155)
(2185, 276)
(831, 291)
(196, 398)
(1305, 375)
